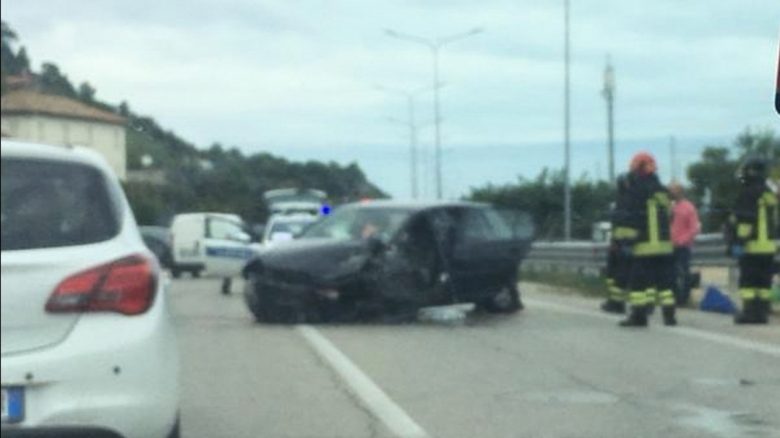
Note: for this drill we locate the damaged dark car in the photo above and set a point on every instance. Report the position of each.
(385, 258)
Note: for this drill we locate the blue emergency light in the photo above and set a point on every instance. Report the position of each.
(325, 210)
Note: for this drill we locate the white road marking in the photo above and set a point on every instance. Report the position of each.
(732, 341)
(379, 403)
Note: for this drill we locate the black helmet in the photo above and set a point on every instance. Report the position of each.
(753, 169)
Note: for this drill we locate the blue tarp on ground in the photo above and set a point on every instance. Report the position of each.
(716, 301)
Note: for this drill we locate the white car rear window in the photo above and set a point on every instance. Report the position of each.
(49, 204)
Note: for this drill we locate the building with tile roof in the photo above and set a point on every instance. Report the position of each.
(45, 118)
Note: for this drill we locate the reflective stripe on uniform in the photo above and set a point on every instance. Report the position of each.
(651, 296)
(621, 233)
(654, 245)
(652, 222)
(616, 294)
(747, 294)
(667, 297)
(653, 248)
(762, 244)
(744, 230)
(764, 294)
(637, 298)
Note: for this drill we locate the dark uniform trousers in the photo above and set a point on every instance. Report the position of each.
(755, 279)
(651, 280)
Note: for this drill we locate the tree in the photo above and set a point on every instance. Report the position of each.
(22, 60)
(7, 57)
(54, 82)
(86, 92)
(7, 33)
(124, 109)
(542, 198)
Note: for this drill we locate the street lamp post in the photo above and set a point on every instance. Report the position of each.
(413, 127)
(609, 95)
(566, 123)
(435, 45)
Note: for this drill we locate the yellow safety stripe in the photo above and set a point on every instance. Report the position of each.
(637, 298)
(652, 223)
(762, 244)
(654, 245)
(650, 248)
(667, 298)
(651, 296)
(744, 230)
(764, 294)
(617, 293)
(610, 281)
(625, 233)
(663, 199)
(747, 294)
(770, 199)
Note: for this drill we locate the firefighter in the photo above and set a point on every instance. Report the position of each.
(647, 223)
(618, 261)
(754, 222)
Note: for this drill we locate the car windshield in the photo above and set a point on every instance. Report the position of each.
(353, 223)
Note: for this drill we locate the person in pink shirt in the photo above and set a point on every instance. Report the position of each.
(685, 226)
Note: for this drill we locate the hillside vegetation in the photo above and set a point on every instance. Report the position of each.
(212, 178)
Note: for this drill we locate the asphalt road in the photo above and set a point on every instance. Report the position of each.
(557, 369)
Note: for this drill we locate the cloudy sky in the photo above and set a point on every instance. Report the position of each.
(297, 77)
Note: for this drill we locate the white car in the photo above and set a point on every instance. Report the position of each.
(283, 227)
(88, 342)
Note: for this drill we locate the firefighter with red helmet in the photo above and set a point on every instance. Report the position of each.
(754, 223)
(618, 260)
(646, 224)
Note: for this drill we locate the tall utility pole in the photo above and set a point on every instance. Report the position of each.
(566, 123)
(411, 124)
(609, 95)
(435, 45)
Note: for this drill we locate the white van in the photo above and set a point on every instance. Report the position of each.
(213, 244)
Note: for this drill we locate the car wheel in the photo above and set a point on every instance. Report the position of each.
(195, 273)
(226, 283)
(505, 301)
(262, 304)
(175, 273)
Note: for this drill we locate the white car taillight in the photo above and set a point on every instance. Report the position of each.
(125, 286)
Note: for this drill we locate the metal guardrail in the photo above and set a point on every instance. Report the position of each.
(590, 258)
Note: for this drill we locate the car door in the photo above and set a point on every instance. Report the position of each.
(187, 232)
(483, 255)
(227, 247)
(404, 276)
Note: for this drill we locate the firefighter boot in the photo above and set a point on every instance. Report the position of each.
(668, 314)
(749, 313)
(762, 312)
(613, 306)
(637, 317)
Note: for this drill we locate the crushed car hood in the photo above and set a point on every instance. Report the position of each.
(314, 260)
